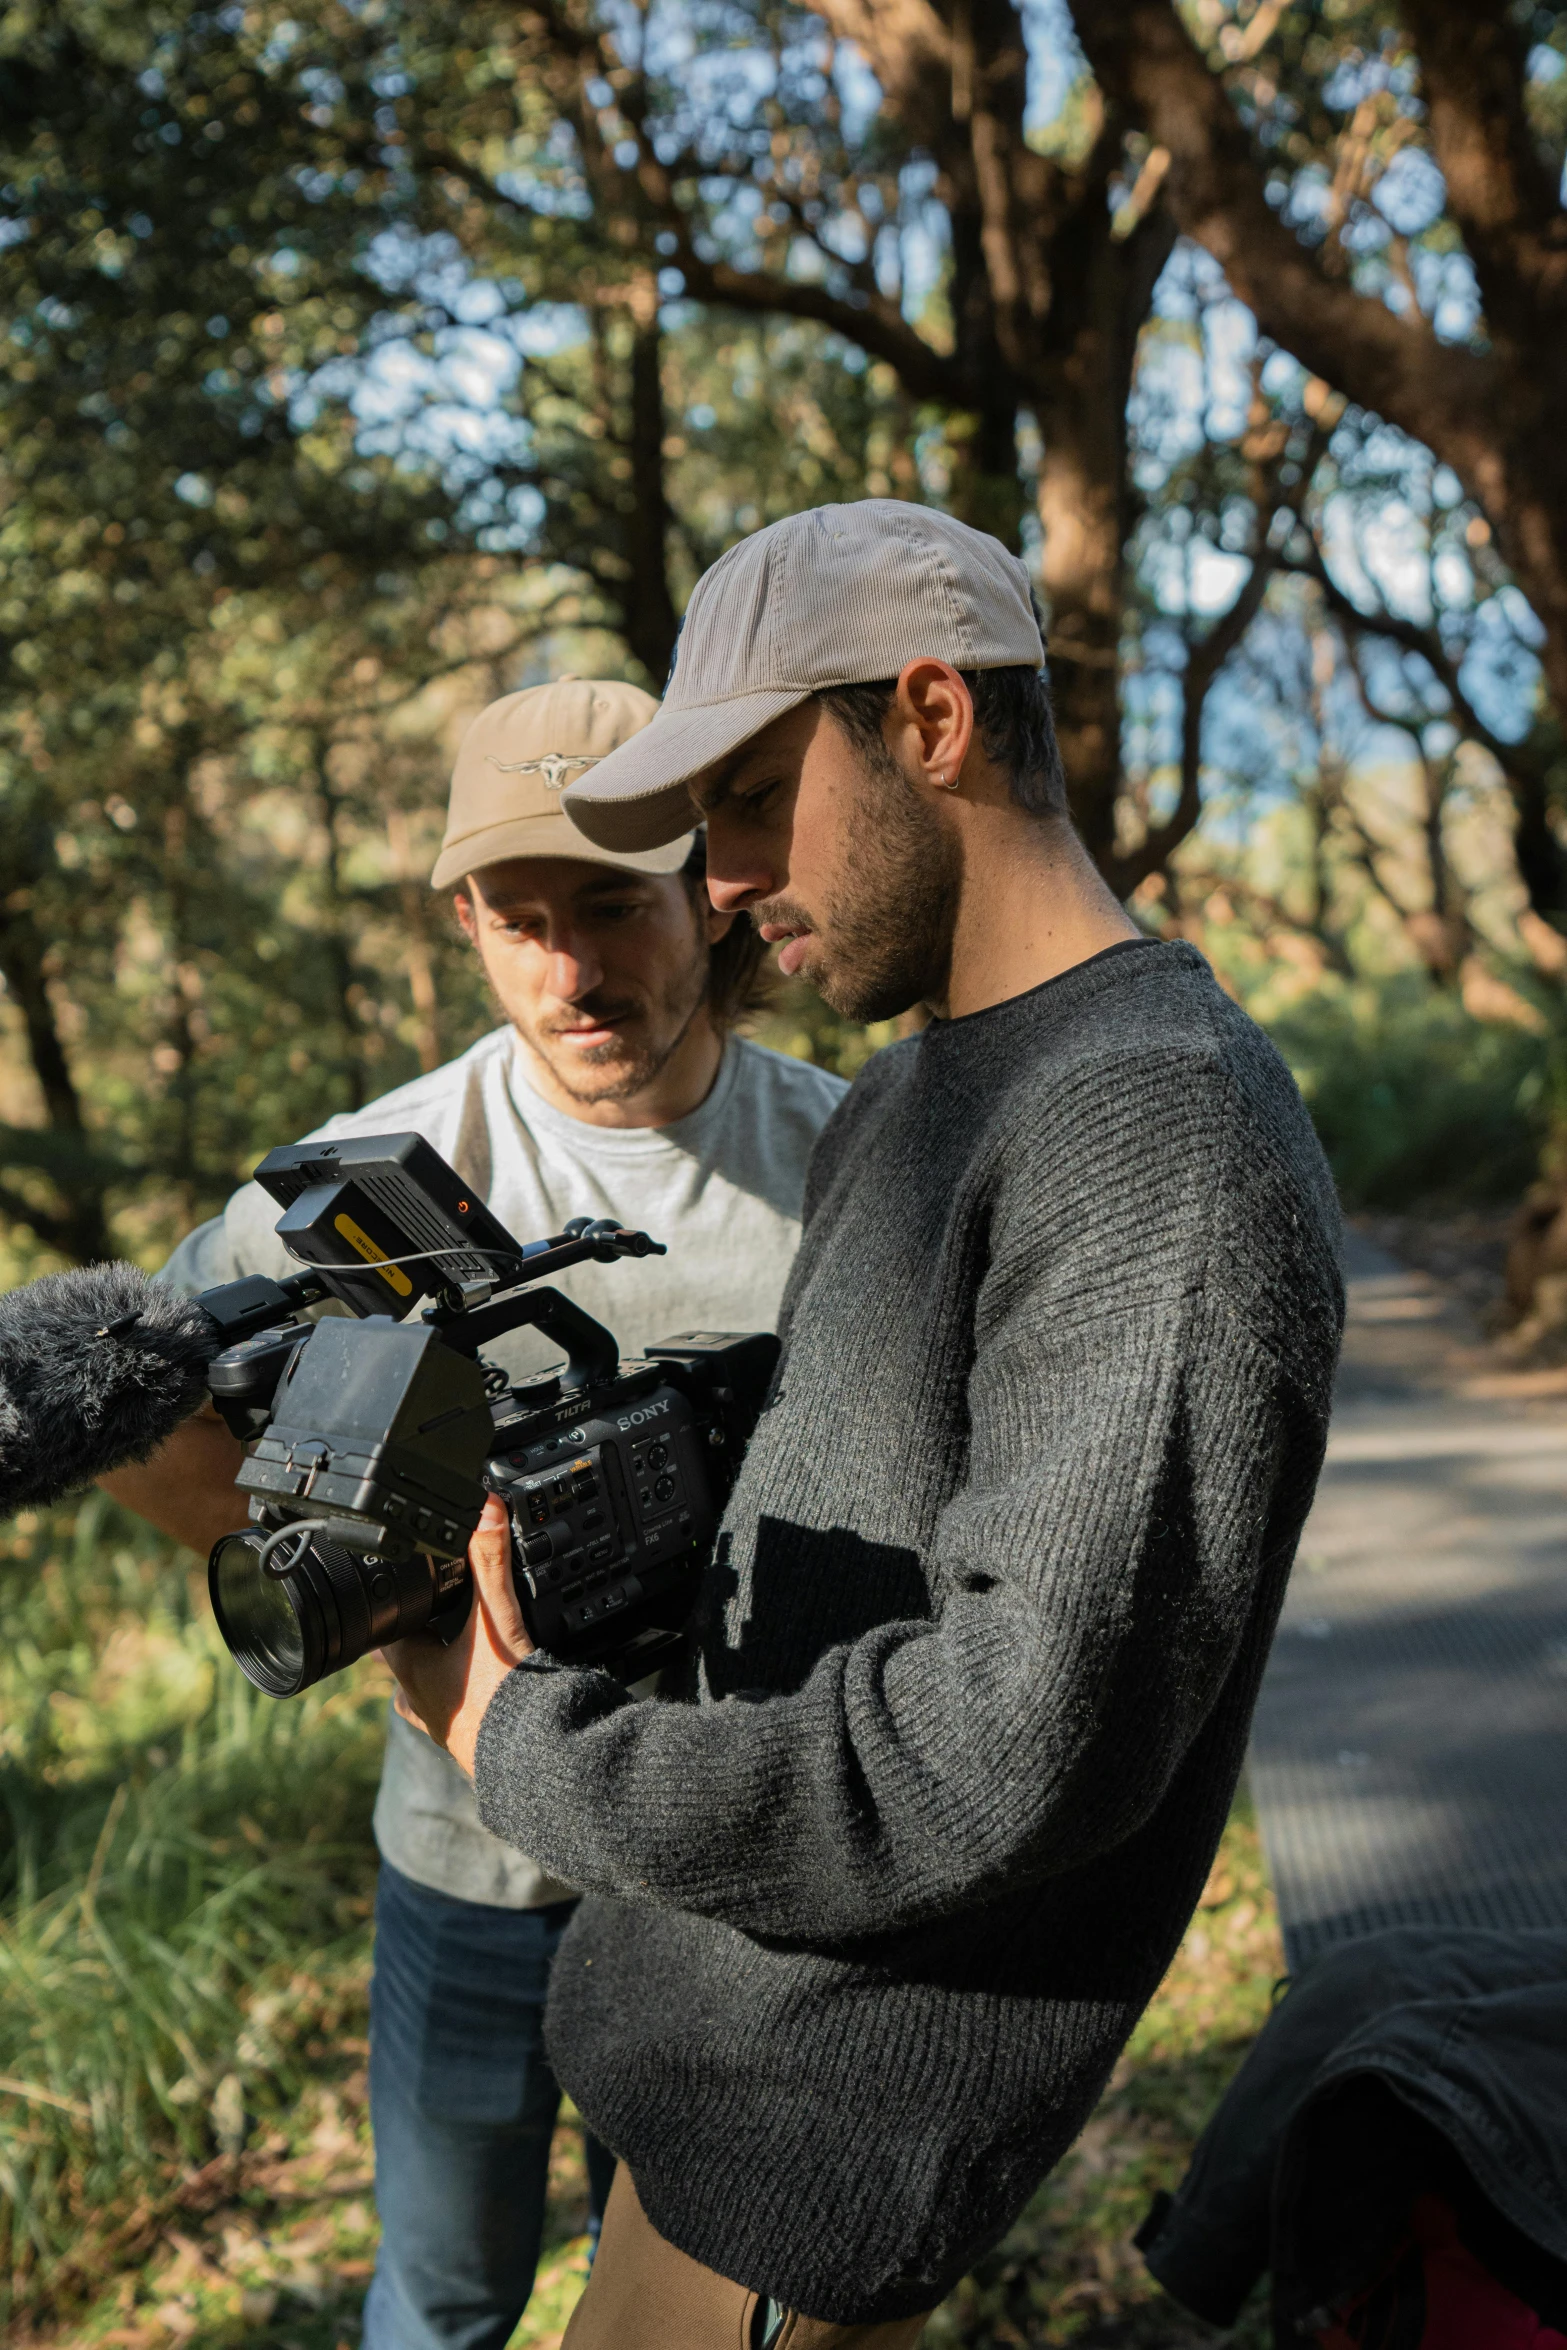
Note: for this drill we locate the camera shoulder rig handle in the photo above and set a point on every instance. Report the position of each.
(592, 1354)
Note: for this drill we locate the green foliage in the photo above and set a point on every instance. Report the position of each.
(185, 1875)
(1415, 1101)
(799, 1023)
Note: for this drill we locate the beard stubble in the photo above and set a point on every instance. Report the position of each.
(884, 938)
(620, 1068)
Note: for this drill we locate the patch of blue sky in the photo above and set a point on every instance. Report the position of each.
(1411, 192)
(1189, 577)
(1365, 73)
(1500, 672)
(1193, 378)
(1055, 61)
(857, 91)
(467, 374)
(503, 521)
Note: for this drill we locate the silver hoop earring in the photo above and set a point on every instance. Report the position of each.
(943, 785)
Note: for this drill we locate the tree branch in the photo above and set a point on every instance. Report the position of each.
(1473, 69)
(875, 324)
(1441, 393)
(1203, 663)
(1207, 657)
(1527, 774)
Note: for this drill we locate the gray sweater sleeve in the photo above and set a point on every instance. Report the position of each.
(1095, 1573)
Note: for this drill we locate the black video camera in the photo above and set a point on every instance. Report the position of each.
(376, 1440)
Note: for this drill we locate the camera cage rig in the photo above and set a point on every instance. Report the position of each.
(376, 1220)
(378, 1438)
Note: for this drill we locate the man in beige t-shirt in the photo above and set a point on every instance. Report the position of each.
(616, 1087)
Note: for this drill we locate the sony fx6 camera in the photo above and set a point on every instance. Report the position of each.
(376, 1440)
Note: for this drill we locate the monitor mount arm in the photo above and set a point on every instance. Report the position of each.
(592, 1355)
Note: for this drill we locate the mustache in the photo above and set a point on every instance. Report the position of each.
(592, 1011)
(784, 913)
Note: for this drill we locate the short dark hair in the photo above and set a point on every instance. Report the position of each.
(1013, 715)
(740, 980)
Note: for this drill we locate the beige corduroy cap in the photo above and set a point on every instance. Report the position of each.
(516, 759)
(843, 595)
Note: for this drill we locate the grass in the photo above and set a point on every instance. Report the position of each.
(186, 1873)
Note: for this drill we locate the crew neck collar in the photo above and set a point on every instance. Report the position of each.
(1055, 996)
(621, 1142)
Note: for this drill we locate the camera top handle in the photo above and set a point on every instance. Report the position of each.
(592, 1354)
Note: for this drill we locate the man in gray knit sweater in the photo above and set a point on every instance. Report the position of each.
(875, 1901)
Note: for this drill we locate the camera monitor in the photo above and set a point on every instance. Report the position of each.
(385, 1221)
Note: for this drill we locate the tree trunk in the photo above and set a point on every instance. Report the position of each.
(1103, 286)
(652, 622)
(1537, 845)
(80, 1228)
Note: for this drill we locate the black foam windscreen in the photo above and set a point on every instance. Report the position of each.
(97, 1368)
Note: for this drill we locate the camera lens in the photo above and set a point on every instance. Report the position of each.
(315, 1607)
(257, 1615)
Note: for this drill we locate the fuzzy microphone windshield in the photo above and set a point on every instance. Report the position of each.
(97, 1368)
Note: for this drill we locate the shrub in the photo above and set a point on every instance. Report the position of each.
(1417, 1103)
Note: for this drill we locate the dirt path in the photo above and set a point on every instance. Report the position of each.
(1409, 1758)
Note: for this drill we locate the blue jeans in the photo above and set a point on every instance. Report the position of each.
(462, 2103)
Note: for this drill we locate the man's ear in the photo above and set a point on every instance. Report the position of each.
(467, 919)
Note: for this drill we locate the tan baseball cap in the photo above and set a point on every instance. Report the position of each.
(517, 757)
(840, 596)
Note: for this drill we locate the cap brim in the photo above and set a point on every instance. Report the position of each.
(636, 798)
(553, 836)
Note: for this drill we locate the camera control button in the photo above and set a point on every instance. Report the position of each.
(536, 1549)
(601, 1550)
(591, 1518)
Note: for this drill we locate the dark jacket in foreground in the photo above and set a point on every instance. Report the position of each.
(875, 1913)
(1423, 2057)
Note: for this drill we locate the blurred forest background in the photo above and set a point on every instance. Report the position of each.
(363, 359)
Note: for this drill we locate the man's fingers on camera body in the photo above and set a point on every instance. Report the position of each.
(489, 1555)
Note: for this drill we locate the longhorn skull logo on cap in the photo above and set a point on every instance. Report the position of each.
(553, 767)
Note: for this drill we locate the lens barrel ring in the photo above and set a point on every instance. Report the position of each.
(287, 1625)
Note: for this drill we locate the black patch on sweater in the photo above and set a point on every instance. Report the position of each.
(858, 1584)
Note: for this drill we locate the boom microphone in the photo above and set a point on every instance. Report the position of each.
(97, 1367)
